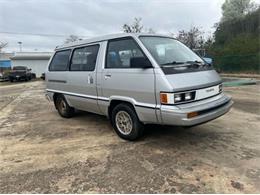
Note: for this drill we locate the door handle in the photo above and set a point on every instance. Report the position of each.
(107, 76)
(90, 79)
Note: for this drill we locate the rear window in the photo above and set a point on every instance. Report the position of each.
(60, 61)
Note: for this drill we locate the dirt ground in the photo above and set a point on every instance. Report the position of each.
(40, 152)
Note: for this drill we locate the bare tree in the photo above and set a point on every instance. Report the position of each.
(136, 27)
(72, 38)
(3, 44)
(193, 38)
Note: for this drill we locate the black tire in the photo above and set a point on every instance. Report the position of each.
(63, 107)
(11, 80)
(137, 127)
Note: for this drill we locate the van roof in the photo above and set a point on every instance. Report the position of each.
(104, 38)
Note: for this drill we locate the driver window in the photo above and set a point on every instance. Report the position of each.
(121, 52)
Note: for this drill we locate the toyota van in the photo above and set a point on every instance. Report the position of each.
(135, 79)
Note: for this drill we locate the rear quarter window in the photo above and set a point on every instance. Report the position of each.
(60, 61)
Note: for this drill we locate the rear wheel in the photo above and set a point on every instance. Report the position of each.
(126, 123)
(63, 107)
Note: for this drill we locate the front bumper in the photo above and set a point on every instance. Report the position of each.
(208, 109)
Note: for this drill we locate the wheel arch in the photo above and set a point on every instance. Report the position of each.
(56, 94)
(116, 101)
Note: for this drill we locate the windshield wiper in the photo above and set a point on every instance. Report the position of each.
(188, 64)
(195, 62)
(172, 63)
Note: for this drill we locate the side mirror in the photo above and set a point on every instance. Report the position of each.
(208, 60)
(140, 62)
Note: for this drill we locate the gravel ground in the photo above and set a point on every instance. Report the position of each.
(44, 153)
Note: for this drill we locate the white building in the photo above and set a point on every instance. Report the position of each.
(37, 61)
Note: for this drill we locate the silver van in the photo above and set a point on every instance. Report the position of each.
(135, 79)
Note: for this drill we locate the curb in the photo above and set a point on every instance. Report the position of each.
(238, 83)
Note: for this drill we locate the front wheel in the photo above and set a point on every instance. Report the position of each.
(126, 123)
(63, 107)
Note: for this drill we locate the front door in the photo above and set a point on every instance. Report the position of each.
(122, 78)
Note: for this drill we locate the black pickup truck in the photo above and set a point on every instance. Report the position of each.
(20, 73)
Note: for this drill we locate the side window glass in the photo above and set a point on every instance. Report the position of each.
(84, 59)
(123, 53)
(60, 61)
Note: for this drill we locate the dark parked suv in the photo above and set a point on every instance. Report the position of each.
(20, 73)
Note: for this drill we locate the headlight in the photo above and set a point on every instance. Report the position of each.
(187, 96)
(177, 97)
(174, 98)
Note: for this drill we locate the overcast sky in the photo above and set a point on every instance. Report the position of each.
(90, 18)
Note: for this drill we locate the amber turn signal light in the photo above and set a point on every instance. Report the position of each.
(163, 97)
(192, 114)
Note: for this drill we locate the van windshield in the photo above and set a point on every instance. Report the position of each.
(168, 51)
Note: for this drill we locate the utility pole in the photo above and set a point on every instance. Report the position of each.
(20, 45)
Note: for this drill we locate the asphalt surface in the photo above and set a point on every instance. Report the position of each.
(40, 152)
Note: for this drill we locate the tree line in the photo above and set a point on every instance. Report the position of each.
(236, 46)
